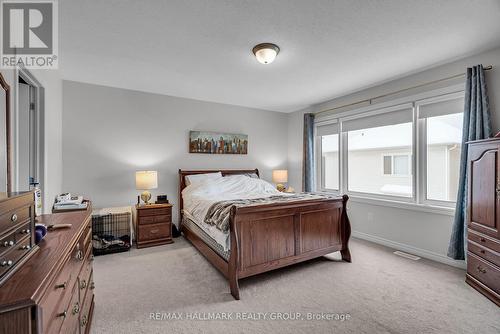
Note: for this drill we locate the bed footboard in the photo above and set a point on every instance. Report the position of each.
(267, 237)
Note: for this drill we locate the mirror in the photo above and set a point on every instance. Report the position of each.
(4, 136)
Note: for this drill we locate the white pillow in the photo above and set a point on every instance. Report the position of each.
(195, 178)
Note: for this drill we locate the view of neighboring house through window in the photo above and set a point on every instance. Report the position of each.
(329, 165)
(443, 126)
(330, 161)
(384, 153)
(379, 150)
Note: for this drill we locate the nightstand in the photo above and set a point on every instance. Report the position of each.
(153, 225)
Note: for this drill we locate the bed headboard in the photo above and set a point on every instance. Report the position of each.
(224, 172)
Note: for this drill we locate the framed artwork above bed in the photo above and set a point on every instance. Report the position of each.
(217, 143)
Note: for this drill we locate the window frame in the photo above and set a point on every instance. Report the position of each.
(418, 158)
(392, 155)
(320, 184)
(422, 143)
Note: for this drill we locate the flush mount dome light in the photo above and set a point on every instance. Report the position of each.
(265, 52)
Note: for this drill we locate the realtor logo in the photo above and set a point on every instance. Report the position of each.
(29, 34)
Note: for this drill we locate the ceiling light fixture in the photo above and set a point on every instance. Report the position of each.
(265, 52)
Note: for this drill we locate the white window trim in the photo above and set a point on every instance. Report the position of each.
(319, 160)
(418, 200)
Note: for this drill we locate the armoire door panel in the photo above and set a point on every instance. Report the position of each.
(483, 192)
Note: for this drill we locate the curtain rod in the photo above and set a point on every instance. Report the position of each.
(487, 68)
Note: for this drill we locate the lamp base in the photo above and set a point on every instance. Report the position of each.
(280, 187)
(146, 196)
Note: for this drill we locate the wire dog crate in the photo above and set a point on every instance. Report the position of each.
(111, 230)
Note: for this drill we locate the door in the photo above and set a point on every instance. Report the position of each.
(27, 138)
(484, 187)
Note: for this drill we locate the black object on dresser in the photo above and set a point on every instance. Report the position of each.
(53, 291)
(17, 231)
(483, 241)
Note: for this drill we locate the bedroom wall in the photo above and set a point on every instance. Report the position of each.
(423, 233)
(51, 81)
(109, 133)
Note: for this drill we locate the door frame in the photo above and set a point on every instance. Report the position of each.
(39, 97)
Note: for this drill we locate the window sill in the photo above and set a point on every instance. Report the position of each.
(404, 205)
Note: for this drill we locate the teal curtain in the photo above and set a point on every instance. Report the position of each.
(308, 159)
(477, 125)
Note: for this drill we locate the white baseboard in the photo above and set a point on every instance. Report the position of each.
(409, 249)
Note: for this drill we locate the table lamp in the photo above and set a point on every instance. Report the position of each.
(280, 176)
(146, 180)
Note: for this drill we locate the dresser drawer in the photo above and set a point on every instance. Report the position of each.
(483, 271)
(12, 239)
(57, 297)
(9, 258)
(155, 219)
(12, 218)
(86, 268)
(484, 241)
(86, 313)
(484, 253)
(154, 212)
(84, 285)
(154, 231)
(73, 309)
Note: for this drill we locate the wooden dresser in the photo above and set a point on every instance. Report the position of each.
(17, 231)
(483, 241)
(153, 225)
(52, 292)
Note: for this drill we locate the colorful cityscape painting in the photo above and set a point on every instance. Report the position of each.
(217, 143)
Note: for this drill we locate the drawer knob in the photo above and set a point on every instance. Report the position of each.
(62, 314)
(79, 255)
(76, 308)
(84, 321)
(154, 231)
(27, 231)
(481, 270)
(25, 247)
(6, 263)
(83, 284)
(483, 240)
(482, 251)
(8, 243)
(92, 285)
(61, 286)
(13, 218)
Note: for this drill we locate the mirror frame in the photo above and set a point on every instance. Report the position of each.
(6, 88)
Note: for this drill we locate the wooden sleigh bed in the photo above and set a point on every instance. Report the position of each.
(271, 236)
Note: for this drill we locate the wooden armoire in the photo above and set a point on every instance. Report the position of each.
(483, 241)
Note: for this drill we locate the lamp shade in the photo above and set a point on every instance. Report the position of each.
(280, 176)
(146, 179)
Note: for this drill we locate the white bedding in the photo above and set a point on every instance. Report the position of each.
(200, 196)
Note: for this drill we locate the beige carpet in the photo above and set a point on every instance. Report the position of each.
(381, 292)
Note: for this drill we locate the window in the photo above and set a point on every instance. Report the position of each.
(406, 153)
(442, 123)
(397, 165)
(329, 165)
(387, 135)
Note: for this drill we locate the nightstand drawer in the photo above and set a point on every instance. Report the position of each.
(154, 212)
(155, 219)
(154, 231)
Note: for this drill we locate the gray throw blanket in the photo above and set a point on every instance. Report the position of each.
(219, 213)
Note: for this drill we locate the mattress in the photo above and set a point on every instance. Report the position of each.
(205, 237)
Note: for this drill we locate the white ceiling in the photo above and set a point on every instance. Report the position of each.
(201, 49)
